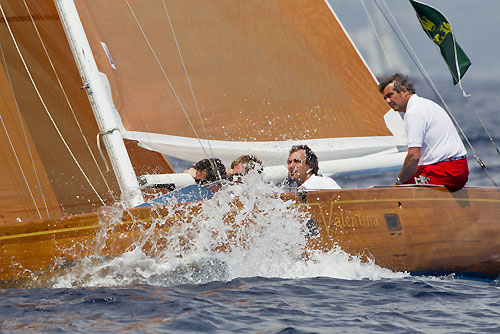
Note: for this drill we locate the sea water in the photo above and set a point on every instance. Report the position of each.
(259, 281)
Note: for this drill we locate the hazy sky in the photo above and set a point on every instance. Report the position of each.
(475, 23)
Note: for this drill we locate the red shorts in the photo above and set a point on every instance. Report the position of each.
(451, 174)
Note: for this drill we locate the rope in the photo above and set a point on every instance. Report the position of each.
(70, 106)
(466, 97)
(21, 169)
(406, 44)
(464, 93)
(98, 137)
(165, 76)
(27, 144)
(45, 106)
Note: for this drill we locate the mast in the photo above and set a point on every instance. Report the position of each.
(100, 102)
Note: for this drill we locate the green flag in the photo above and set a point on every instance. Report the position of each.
(439, 30)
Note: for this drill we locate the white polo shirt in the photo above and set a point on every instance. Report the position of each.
(319, 183)
(430, 128)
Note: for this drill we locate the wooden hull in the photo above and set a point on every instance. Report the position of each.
(415, 229)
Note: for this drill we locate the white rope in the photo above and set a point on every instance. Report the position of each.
(98, 137)
(69, 104)
(21, 168)
(457, 66)
(27, 144)
(45, 106)
(165, 76)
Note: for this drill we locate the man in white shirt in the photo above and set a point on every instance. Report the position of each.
(303, 169)
(436, 154)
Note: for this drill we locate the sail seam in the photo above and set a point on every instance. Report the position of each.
(68, 102)
(45, 107)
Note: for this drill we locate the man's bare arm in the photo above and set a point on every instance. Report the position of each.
(410, 165)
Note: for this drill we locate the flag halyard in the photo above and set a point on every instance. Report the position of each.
(437, 27)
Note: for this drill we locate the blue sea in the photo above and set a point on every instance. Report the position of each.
(265, 285)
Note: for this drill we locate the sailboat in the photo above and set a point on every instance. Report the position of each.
(191, 80)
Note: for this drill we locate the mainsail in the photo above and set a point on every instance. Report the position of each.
(260, 73)
(255, 76)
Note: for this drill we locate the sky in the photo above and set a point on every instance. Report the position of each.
(475, 23)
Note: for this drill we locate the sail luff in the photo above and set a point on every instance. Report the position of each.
(102, 106)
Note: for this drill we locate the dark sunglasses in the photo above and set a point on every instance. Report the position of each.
(235, 177)
(200, 181)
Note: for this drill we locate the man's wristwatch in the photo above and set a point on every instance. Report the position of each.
(398, 181)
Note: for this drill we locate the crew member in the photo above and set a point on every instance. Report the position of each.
(242, 165)
(303, 169)
(209, 172)
(436, 154)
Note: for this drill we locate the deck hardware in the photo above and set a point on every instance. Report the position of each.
(392, 221)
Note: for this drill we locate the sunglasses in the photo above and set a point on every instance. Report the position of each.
(200, 181)
(235, 177)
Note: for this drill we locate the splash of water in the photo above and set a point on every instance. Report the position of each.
(245, 230)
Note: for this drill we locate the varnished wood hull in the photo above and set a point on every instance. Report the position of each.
(415, 229)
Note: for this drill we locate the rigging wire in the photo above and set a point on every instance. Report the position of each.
(187, 77)
(69, 103)
(406, 44)
(464, 93)
(22, 171)
(29, 150)
(490, 137)
(165, 76)
(377, 36)
(216, 170)
(466, 96)
(35, 170)
(46, 108)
